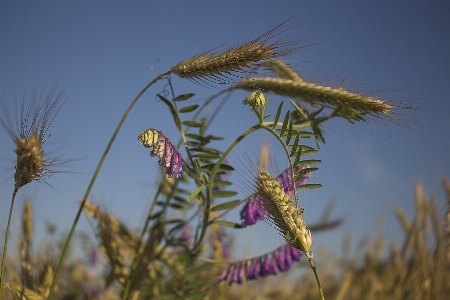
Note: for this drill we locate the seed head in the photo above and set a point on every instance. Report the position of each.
(316, 94)
(240, 58)
(284, 212)
(29, 132)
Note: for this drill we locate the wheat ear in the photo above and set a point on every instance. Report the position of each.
(316, 94)
(284, 212)
(239, 58)
(281, 69)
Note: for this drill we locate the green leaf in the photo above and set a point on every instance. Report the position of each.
(308, 162)
(156, 215)
(309, 186)
(277, 115)
(189, 108)
(206, 150)
(315, 113)
(165, 100)
(214, 138)
(194, 194)
(227, 224)
(302, 172)
(285, 123)
(197, 167)
(299, 154)
(219, 182)
(183, 97)
(222, 167)
(223, 194)
(197, 137)
(180, 199)
(199, 269)
(175, 205)
(225, 205)
(192, 123)
(206, 156)
(305, 134)
(307, 150)
(289, 133)
(196, 284)
(192, 144)
(295, 145)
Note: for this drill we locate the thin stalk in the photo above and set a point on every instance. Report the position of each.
(126, 290)
(5, 246)
(211, 180)
(313, 267)
(91, 184)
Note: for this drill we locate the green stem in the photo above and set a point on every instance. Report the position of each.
(91, 184)
(211, 181)
(141, 238)
(5, 246)
(313, 267)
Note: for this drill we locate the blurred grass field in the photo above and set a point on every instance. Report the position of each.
(416, 267)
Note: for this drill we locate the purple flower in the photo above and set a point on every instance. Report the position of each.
(169, 157)
(268, 266)
(286, 178)
(280, 259)
(224, 274)
(253, 269)
(253, 210)
(234, 275)
(294, 253)
(265, 265)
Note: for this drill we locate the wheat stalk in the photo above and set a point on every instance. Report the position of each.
(239, 58)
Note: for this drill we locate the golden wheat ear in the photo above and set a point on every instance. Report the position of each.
(218, 67)
(284, 212)
(29, 131)
(345, 102)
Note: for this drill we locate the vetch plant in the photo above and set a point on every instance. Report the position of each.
(162, 259)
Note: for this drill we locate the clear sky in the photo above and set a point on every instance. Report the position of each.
(100, 52)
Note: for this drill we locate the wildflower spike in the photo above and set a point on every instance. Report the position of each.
(168, 155)
(268, 264)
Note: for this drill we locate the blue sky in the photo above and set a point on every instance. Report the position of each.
(100, 53)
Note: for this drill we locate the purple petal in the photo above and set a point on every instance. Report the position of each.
(241, 272)
(224, 274)
(280, 259)
(234, 275)
(295, 253)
